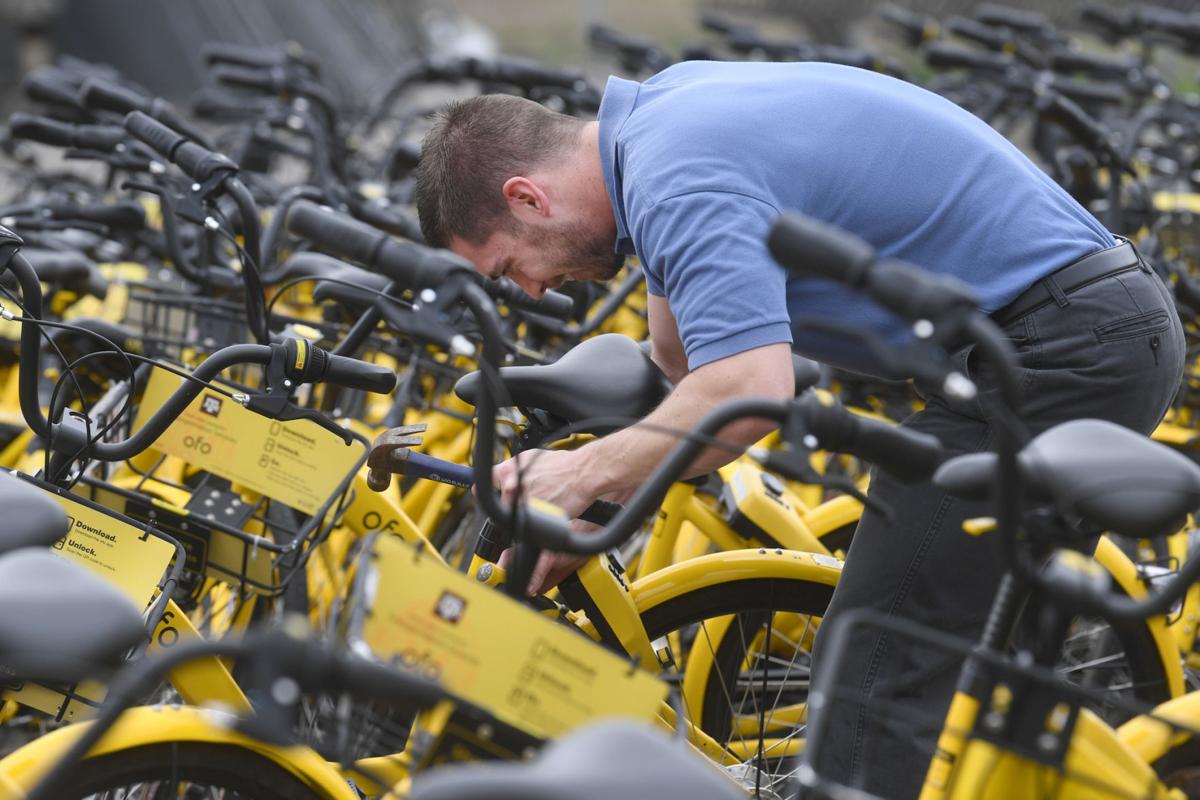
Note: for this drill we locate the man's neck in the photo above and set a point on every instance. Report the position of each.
(588, 173)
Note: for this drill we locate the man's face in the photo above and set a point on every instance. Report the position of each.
(542, 257)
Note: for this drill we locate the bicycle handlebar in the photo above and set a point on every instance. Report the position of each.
(406, 263)
(99, 94)
(313, 665)
(906, 454)
(941, 54)
(811, 248)
(65, 134)
(197, 161)
(254, 56)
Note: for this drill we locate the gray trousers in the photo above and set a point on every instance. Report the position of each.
(1113, 350)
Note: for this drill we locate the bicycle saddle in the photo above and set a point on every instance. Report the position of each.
(605, 376)
(600, 762)
(805, 371)
(55, 614)
(1118, 479)
(31, 517)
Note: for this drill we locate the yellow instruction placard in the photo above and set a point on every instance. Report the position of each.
(121, 554)
(297, 462)
(527, 670)
(118, 552)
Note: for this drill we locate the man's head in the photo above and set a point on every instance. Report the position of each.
(517, 189)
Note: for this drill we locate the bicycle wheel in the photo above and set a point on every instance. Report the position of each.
(185, 769)
(1118, 663)
(749, 697)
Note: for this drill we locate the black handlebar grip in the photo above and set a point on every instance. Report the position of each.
(942, 55)
(122, 214)
(1112, 24)
(196, 160)
(551, 304)
(350, 373)
(913, 293)
(810, 248)
(256, 56)
(906, 454)
(1090, 91)
(339, 234)
(374, 681)
(913, 23)
(64, 134)
(1016, 19)
(258, 79)
(243, 55)
(390, 218)
(1066, 60)
(408, 264)
(162, 139)
(47, 86)
(214, 103)
(101, 95)
(523, 72)
(718, 23)
(977, 32)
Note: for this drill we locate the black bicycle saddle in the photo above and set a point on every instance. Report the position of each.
(605, 376)
(32, 518)
(603, 761)
(1116, 478)
(805, 372)
(57, 615)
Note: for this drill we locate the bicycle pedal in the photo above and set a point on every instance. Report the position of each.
(389, 451)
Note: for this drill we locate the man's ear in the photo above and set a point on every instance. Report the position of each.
(525, 198)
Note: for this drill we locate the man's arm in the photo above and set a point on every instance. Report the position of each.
(616, 464)
(572, 479)
(666, 347)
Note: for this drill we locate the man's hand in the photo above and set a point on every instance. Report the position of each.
(549, 475)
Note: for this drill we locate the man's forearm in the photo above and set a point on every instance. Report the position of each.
(626, 458)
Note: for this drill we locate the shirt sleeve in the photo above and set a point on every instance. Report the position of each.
(707, 252)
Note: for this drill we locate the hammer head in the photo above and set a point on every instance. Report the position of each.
(389, 450)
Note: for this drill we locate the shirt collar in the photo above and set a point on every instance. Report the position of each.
(620, 96)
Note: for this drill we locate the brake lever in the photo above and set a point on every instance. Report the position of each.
(277, 404)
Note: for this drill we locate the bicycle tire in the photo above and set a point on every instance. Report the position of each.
(748, 599)
(224, 767)
(750, 596)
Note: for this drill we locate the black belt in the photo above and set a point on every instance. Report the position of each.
(1055, 287)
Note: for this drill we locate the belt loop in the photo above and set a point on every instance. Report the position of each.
(1060, 297)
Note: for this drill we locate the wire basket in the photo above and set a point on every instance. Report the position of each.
(1016, 729)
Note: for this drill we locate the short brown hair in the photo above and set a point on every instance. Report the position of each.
(475, 146)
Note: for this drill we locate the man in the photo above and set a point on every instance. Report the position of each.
(688, 170)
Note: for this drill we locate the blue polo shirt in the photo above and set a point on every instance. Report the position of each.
(702, 157)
